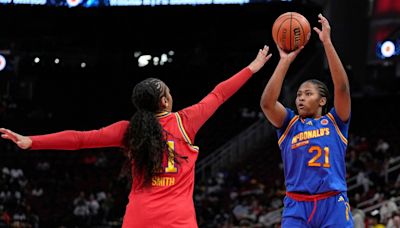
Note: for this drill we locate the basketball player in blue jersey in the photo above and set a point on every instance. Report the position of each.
(313, 143)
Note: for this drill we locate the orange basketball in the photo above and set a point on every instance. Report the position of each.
(290, 31)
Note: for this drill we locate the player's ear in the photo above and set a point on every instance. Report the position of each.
(164, 102)
(322, 101)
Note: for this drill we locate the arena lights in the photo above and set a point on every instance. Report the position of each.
(374, 212)
(3, 62)
(146, 59)
(143, 60)
(388, 48)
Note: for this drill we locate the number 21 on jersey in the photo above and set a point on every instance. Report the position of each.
(318, 153)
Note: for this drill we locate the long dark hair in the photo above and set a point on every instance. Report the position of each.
(323, 92)
(145, 141)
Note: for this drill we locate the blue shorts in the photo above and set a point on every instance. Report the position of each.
(331, 212)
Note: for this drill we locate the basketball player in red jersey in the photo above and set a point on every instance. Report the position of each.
(159, 144)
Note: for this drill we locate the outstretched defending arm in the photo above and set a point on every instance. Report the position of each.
(110, 136)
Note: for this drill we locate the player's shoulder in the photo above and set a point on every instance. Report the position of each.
(291, 116)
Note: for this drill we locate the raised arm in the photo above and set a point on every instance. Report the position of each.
(110, 136)
(272, 108)
(342, 99)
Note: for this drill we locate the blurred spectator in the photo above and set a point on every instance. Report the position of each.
(31, 217)
(101, 160)
(81, 213)
(101, 196)
(359, 218)
(106, 206)
(16, 174)
(394, 221)
(19, 215)
(43, 166)
(382, 146)
(37, 191)
(387, 210)
(80, 198)
(243, 213)
(363, 180)
(5, 218)
(373, 221)
(268, 216)
(94, 206)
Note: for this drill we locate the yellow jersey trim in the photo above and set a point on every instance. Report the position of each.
(337, 128)
(283, 136)
(182, 130)
(162, 114)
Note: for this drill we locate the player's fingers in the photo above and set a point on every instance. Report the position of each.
(323, 21)
(9, 132)
(10, 137)
(3, 130)
(6, 131)
(265, 51)
(317, 30)
(268, 56)
(261, 53)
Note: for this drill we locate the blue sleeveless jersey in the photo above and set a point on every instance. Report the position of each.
(313, 153)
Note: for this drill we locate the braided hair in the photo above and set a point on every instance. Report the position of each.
(145, 141)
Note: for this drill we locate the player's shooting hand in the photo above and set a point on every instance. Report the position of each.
(261, 58)
(288, 56)
(22, 142)
(325, 32)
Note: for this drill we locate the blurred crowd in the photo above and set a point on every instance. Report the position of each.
(87, 188)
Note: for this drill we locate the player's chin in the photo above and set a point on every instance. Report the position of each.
(303, 113)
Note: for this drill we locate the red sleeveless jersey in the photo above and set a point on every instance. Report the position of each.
(169, 201)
